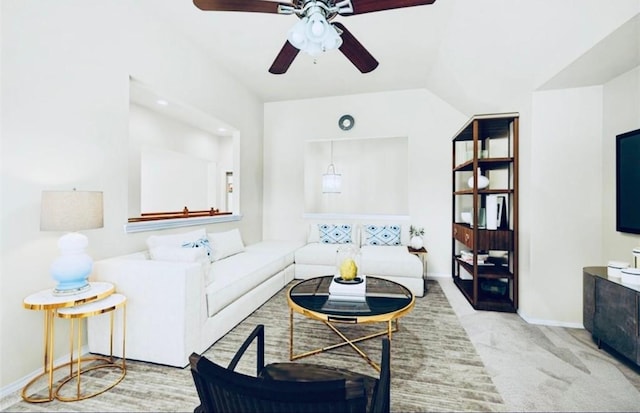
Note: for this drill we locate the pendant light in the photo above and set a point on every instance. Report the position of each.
(331, 181)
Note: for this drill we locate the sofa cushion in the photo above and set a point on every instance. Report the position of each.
(166, 253)
(316, 253)
(234, 276)
(225, 244)
(284, 249)
(390, 261)
(382, 234)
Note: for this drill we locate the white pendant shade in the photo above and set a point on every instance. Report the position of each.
(331, 182)
(313, 34)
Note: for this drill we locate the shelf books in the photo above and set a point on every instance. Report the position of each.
(467, 256)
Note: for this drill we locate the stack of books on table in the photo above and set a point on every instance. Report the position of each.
(348, 292)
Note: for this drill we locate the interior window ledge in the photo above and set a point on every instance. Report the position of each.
(143, 226)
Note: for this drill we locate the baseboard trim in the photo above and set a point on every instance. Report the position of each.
(551, 323)
(527, 319)
(438, 275)
(17, 385)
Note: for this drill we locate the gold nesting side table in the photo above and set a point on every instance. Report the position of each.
(77, 313)
(62, 306)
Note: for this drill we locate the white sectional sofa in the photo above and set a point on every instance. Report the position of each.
(383, 252)
(181, 299)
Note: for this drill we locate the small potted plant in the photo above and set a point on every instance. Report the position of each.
(416, 234)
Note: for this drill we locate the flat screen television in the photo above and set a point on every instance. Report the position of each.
(628, 182)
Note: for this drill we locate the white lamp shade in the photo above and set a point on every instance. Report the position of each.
(71, 210)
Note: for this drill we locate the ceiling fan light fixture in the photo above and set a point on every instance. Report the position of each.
(332, 40)
(297, 34)
(317, 26)
(313, 34)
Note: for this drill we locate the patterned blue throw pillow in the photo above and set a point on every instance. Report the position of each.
(383, 234)
(335, 234)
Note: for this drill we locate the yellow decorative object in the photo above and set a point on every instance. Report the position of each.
(348, 269)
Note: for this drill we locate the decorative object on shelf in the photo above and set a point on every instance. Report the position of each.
(483, 181)
(466, 217)
(482, 219)
(331, 181)
(416, 234)
(71, 211)
(346, 122)
(494, 287)
(502, 212)
(492, 212)
(614, 268)
(630, 276)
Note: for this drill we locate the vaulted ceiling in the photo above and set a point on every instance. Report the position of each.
(472, 53)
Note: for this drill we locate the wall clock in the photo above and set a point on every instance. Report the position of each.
(346, 122)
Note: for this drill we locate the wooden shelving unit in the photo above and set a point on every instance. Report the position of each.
(486, 145)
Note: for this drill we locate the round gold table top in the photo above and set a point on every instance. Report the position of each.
(46, 300)
(384, 300)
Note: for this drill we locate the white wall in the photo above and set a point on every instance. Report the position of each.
(427, 121)
(621, 114)
(565, 211)
(198, 158)
(65, 98)
(379, 162)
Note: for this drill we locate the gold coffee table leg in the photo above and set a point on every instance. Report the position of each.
(345, 341)
(291, 357)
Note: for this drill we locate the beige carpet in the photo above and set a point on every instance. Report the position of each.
(434, 365)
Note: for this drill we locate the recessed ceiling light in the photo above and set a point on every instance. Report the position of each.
(162, 102)
(222, 130)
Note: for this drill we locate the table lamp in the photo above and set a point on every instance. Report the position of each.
(71, 211)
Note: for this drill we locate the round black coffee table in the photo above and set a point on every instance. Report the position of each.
(385, 301)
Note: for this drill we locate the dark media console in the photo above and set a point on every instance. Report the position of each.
(611, 312)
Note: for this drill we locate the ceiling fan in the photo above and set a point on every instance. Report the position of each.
(314, 33)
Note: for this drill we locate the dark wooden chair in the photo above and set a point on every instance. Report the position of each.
(288, 387)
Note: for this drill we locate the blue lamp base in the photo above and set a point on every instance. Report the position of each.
(72, 268)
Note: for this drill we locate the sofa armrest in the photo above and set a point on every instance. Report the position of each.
(164, 309)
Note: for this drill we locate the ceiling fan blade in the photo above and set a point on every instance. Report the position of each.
(284, 59)
(368, 6)
(355, 51)
(258, 6)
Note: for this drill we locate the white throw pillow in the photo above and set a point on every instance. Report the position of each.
(176, 240)
(225, 244)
